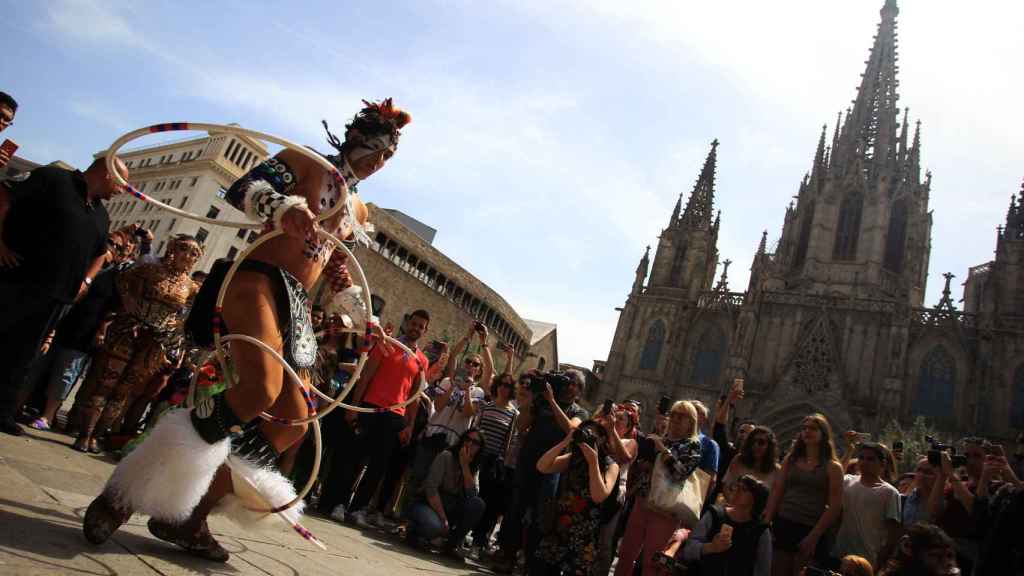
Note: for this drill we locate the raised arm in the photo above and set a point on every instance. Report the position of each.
(277, 187)
(488, 368)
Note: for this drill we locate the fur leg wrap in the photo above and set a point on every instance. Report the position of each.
(257, 488)
(168, 474)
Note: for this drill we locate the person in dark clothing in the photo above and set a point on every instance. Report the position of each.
(742, 549)
(78, 334)
(54, 241)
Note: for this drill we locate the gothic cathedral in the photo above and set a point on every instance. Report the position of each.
(833, 319)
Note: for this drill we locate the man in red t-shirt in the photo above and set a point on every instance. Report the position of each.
(389, 378)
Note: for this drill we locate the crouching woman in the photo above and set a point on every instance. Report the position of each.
(449, 502)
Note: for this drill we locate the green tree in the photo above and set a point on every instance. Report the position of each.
(914, 444)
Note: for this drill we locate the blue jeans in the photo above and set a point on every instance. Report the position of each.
(463, 515)
(65, 366)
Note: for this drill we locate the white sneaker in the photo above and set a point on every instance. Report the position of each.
(338, 514)
(359, 519)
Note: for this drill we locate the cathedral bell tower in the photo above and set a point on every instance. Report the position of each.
(861, 224)
(687, 253)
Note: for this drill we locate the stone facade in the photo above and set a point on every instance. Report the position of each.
(833, 319)
(409, 273)
(192, 174)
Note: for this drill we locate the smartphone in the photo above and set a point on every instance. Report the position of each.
(737, 384)
(995, 450)
(864, 437)
(9, 147)
(897, 446)
(478, 326)
(609, 405)
(664, 405)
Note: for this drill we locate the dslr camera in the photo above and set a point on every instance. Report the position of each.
(584, 435)
(557, 380)
(937, 448)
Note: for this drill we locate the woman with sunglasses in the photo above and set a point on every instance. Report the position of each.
(648, 528)
(807, 499)
(496, 421)
(757, 458)
(458, 399)
(448, 503)
(144, 342)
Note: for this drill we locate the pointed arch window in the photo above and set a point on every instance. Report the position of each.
(848, 227)
(896, 238)
(708, 356)
(1017, 402)
(936, 385)
(651, 353)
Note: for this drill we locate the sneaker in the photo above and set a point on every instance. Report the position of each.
(359, 519)
(379, 520)
(338, 514)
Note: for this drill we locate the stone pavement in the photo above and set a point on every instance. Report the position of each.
(44, 490)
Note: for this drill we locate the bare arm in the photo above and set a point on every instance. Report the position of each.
(460, 347)
(835, 500)
(553, 460)
(468, 406)
(488, 368)
(601, 486)
(778, 489)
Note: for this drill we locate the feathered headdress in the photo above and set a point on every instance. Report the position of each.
(376, 127)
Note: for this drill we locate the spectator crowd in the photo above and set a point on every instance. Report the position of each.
(493, 463)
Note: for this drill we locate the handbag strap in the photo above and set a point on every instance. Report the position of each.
(508, 435)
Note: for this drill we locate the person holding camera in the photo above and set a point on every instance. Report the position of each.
(554, 414)
(648, 529)
(807, 499)
(950, 505)
(870, 523)
(448, 503)
(457, 398)
(914, 507)
(620, 422)
(570, 525)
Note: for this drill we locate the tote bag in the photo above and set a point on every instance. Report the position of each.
(683, 501)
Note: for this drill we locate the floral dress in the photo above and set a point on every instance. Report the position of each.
(570, 544)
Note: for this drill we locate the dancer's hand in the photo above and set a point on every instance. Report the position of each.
(298, 222)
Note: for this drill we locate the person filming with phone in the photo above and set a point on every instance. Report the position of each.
(8, 108)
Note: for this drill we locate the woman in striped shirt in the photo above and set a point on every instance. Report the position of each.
(495, 421)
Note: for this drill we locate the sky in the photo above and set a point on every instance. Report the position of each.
(550, 138)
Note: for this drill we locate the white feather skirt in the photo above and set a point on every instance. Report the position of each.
(168, 474)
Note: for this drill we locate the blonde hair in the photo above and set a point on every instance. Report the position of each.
(856, 566)
(691, 411)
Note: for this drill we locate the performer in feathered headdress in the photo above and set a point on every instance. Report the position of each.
(178, 475)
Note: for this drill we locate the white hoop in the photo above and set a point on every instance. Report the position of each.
(233, 130)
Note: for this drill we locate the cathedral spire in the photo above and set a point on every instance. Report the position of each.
(820, 164)
(903, 137)
(870, 127)
(675, 212)
(762, 247)
(641, 271)
(701, 201)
